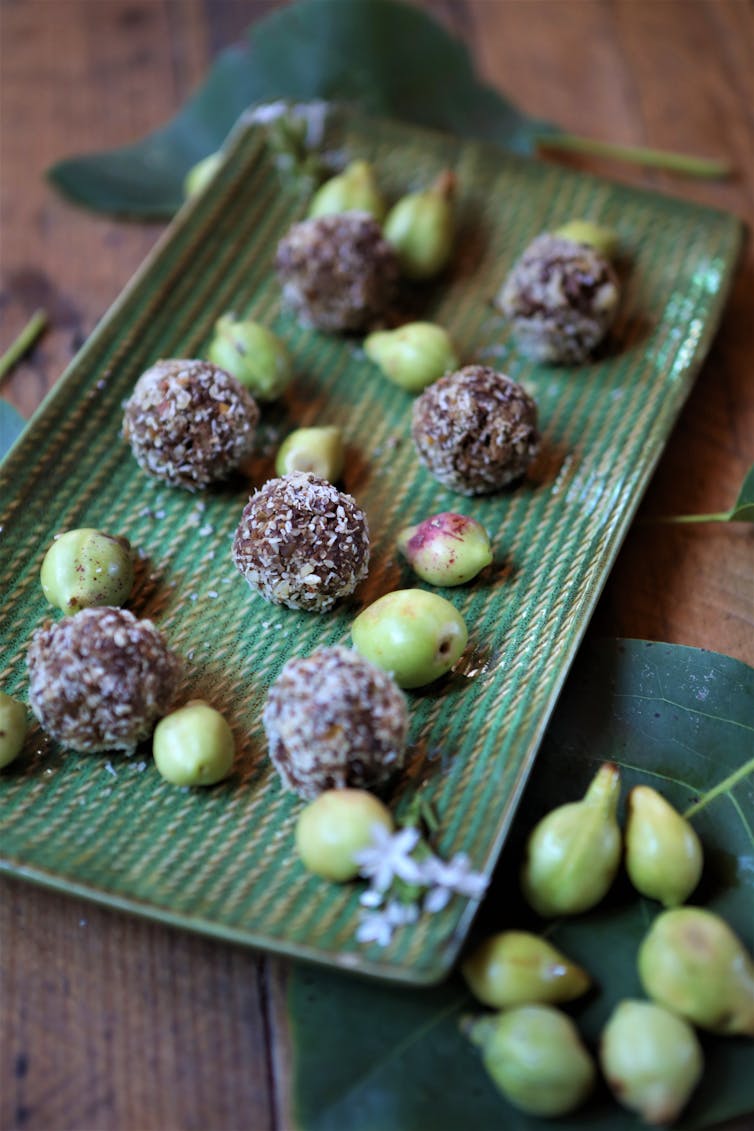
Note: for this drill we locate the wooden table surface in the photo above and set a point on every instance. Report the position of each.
(110, 1022)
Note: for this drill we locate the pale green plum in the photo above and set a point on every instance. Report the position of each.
(335, 826)
(446, 549)
(199, 175)
(694, 964)
(573, 853)
(415, 635)
(85, 567)
(13, 724)
(603, 240)
(663, 853)
(519, 968)
(353, 190)
(319, 450)
(421, 228)
(253, 354)
(413, 355)
(193, 745)
(651, 1060)
(535, 1056)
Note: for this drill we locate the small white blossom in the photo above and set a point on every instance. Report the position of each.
(371, 898)
(378, 926)
(399, 914)
(455, 876)
(388, 857)
(436, 899)
(374, 927)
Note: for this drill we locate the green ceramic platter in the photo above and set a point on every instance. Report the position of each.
(221, 860)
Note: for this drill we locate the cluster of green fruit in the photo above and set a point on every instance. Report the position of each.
(694, 969)
(86, 568)
(420, 227)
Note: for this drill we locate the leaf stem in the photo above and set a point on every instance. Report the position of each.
(636, 155)
(23, 342)
(719, 516)
(723, 786)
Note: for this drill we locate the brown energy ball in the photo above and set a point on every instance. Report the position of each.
(334, 721)
(476, 430)
(561, 297)
(337, 271)
(189, 422)
(302, 543)
(99, 680)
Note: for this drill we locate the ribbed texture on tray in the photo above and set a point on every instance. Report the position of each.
(222, 860)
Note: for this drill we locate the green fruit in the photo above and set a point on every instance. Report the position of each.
(193, 745)
(518, 968)
(413, 355)
(651, 1059)
(535, 1056)
(335, 826)
(414, 635)
(353, 190)
(573, 853)
(13, 725)
(199, 175)
(253, 355)
(663, 853)
(603, 240)
(318, 450)
(691, 962)
(83, 568)
(446, 549)
(421, 228)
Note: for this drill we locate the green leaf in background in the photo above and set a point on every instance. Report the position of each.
(741, 511)
(743, 508)
(386, 57)
(12, 425)
(374, 1057)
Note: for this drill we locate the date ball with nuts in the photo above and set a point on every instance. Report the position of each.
(561, 298)
(475, 430)
(302, 543)
(189, 423)
(338, 273)
(99, 680)
(334, 721)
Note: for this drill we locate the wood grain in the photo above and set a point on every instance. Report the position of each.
(114, 1024)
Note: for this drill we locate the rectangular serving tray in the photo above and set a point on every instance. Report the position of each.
(221, 860)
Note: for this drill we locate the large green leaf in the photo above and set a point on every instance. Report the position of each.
(386, 57)
(743, 508)
(12, 425)
(374, 1057)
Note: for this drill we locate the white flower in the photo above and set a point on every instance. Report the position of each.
(388, 857)
(371, 898)
(378, 926)
(374, 927)
(455, 876)
(399, 914)
(436, 899)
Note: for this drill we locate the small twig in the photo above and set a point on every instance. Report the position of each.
(720, 516)
(23, 342)
(637, 155)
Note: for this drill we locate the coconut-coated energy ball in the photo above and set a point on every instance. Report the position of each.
(334, 721)
(561, 297)
(99, 680)
(189, 423)
(302, 543)
(338, 273)
(476, 430)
